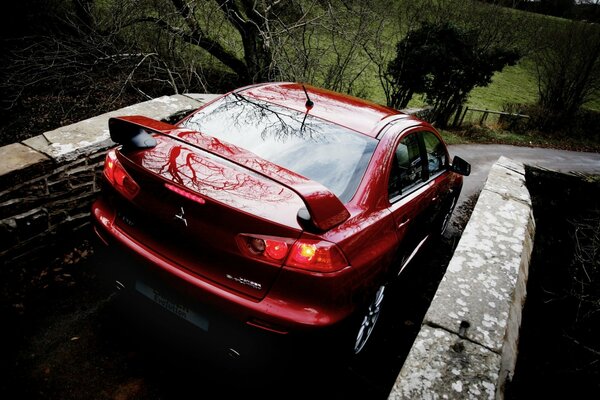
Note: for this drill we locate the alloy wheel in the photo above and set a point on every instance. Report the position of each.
(369, 320)
(447, 216)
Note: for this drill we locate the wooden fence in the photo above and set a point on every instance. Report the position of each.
(481, 117)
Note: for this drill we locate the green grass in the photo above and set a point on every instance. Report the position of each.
(452, 137)
(513, 85)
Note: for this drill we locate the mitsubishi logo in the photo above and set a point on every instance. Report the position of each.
(181, 217)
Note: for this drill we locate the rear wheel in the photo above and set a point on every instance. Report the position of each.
(447, 216)
(367, 324)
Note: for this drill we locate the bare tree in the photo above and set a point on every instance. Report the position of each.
(110, 53)
(244, 35)
(81, 64)
(568, 69)
(396, 22)
(320, 41)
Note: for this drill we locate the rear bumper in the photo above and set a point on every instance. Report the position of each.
(281, 311)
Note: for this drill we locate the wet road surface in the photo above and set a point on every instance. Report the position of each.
(483, 156)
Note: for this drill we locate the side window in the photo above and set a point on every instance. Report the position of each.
(436, 153)
(407, 168)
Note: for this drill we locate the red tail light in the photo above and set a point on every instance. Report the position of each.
(267, 248)
(118, 177)
(309, 255)
(315, 255)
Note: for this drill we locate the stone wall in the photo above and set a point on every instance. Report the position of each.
(467, 345)
(47, 182)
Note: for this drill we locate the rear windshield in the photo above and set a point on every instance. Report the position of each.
(319, 150)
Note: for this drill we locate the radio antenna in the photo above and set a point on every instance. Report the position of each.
(309, 104)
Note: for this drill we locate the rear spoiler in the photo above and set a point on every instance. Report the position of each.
(323, 211)
(132, 131)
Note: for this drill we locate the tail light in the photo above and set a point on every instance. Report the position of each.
(309, 255)
(267, 248)
(118, 177)
(317, 256)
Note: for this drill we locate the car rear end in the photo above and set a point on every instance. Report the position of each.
(212, 233)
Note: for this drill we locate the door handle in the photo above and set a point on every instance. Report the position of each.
(401, 224)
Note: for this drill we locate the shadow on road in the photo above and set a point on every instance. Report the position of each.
(71, 337)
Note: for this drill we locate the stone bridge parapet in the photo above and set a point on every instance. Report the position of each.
(47, 182)
(467, 345)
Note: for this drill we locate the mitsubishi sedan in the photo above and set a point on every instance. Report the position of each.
(280, 207)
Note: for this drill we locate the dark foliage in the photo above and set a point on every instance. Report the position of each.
(60, 66)
(445, 62)
(559, 344)
(567, 58)
(585, 124)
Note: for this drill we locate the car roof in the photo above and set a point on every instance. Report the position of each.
(342, 109)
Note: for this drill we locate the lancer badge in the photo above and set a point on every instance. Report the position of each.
(244, 281)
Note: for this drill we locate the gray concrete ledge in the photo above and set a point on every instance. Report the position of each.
(18, 156)
(67, 143)
(467, 346)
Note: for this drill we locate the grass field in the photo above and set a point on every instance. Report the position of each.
(516, 84)
(513, 85)
(339, 50)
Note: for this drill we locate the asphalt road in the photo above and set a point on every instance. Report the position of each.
(483, 156)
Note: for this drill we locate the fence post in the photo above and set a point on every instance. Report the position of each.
(483, 117)
(457, 116)
(462, 118)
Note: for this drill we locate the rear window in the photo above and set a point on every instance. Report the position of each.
(319, 150)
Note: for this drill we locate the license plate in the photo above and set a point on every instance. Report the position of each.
(126, 218)
(172, 306)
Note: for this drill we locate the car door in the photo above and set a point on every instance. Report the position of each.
(439, 177)
(410, 194)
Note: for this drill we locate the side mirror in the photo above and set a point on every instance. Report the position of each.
(460, 166)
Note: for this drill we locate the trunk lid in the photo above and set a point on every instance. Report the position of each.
(193, 205)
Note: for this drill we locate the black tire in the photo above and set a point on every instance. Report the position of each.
(446, 217)
(368, 321)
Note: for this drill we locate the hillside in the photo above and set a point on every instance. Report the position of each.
(54, 75)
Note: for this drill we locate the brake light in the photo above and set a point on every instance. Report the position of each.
(185, 193)
(275, 249)
(268, 248)
(309, 255)
(316, 255)
(118, 177)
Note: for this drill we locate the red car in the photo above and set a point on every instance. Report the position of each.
(284, 207)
